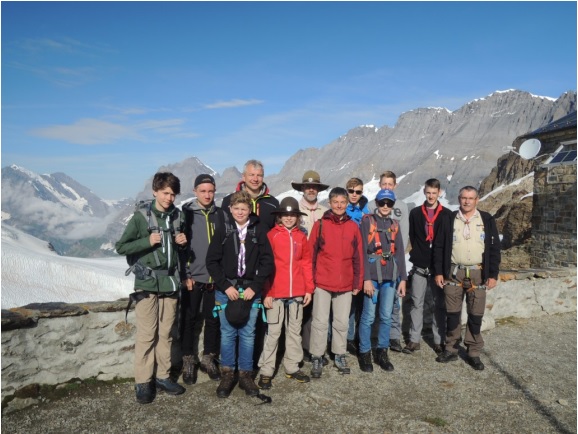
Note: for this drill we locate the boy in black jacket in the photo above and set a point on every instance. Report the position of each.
(240, 260)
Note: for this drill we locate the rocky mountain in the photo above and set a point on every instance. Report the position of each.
(57, 209)
(459, 147)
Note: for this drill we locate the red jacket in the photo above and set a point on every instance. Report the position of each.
(338, 257)
(293, 275)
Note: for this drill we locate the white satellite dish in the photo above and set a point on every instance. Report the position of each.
(530, 148)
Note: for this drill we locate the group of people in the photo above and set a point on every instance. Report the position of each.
(260, 273)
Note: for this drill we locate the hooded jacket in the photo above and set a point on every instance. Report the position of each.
(293, 275)
(337, 253)
(263, 205)
(357, 211)
(200, 226)
(135, 241)
(222, 256)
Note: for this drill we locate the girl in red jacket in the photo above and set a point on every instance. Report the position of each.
(289, 290)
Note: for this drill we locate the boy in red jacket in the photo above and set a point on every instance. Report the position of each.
(338, 267)
(289, 290)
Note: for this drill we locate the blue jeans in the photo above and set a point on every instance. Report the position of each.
(386, 292)
(229, 335)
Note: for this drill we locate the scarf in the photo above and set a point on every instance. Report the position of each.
(241, 265)
(311, 209)
(466, 221)
(429, 223)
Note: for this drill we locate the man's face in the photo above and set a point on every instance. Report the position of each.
(205, 194)
(354, 194)
(253, 179)
(387, 184)
(338, 205)
(431, 196)
(240, 212)
(310, 192)
(165, 197)
(468, 201)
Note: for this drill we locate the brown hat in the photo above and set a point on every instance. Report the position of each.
(311, 177)
(288, 205)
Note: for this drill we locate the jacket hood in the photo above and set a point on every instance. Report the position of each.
(361, 204)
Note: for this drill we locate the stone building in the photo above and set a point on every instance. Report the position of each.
(553, 240)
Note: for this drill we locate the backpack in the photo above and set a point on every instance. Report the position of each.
(135, 266)
(373, 235)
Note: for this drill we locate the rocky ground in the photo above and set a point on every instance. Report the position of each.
(528, 386)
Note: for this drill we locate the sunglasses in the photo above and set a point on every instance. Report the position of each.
(390, 203)
(352, 191)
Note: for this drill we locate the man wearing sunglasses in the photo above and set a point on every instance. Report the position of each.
(357, 207)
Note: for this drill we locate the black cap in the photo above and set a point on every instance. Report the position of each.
(204, 179)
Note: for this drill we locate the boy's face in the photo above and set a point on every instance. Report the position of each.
(338, 205)
(384, 207)
(289, 220)
(165, 197)
(354, 194)
(431, 196)
(387, 184)
(240, 212)
(205, 194)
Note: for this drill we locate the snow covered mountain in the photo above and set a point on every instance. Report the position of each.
(58, 209)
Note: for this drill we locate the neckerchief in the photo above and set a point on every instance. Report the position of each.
(429, 223)
(241, 266)
(466, 221)
(312, 216)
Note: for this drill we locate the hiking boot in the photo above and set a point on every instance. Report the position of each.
(299, 376)
(438, 348)
(341, 364)
(352, 348)
(169, 386)
(317, 367)
(411, 347)
(227, 382)
(383, 360)
(247, 383)
(475, 363)
(365, 362)
(145, 393)
(264, 382)
(209, 367)
(446, 357)
(190, 365)
(395, 345)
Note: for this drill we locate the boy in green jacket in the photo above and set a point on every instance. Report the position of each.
(155, 242)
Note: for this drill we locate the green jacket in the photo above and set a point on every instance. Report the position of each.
(135, 241)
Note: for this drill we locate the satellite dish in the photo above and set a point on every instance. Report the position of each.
(530, 148)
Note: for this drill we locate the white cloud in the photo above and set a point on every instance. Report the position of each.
(234, 103)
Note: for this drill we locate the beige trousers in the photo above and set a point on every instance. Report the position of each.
(280, 317)
(154, 319)
(324, 302)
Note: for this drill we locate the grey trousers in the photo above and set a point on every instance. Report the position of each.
(425, 293)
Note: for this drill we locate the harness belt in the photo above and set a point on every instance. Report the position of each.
(423, 272)
(465, 267)
(471, 288)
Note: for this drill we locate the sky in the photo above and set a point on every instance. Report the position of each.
(108, 92)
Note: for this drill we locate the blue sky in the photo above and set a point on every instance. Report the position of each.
(107, 92)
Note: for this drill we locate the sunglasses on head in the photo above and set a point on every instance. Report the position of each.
(390, 203)
(352, 191)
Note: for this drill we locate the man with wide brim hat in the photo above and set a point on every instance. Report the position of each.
(311, 177)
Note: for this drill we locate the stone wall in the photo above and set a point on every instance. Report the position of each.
(553, 241)
(53, 343)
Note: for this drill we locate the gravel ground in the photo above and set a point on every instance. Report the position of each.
(528, 386)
